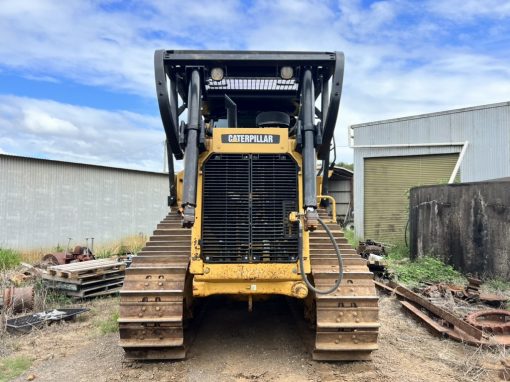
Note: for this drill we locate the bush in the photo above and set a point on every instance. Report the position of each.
(9, 259)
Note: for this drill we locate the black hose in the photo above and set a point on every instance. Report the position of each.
(302, 263)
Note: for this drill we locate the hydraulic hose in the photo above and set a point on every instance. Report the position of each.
(302, 263)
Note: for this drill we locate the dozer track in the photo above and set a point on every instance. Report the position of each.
(346, 320)
(153, 300)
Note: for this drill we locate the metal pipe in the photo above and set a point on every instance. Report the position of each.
(173, 102)
(191, 153)
(172, 197)
(325, 182)
(231, 111)
(325, 162)
(165, 155)
(459, 161)
(324, 98)
(309, 156)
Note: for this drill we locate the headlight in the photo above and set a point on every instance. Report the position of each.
(217, 74)
(286, 72)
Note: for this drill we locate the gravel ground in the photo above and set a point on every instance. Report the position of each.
(231, 344)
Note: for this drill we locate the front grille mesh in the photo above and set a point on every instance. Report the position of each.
(246, 202)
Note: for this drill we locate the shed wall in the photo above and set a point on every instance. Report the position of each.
(486, 128)
(43, 203)
(341, 191)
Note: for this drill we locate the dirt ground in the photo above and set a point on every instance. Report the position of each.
(231, 344)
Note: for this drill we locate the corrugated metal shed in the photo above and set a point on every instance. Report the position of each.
(486, 129)
(44, 202)
(340, 188)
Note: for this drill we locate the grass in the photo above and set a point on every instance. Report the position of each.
(12, 367)
(49, 298)
(498, 285)
(423, 269)
(9, 259)
(133, 244)
(110, 324)
(351, 237)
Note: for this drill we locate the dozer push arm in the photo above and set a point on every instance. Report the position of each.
(330, 117)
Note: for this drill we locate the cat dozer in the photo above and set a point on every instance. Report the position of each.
(249, 216)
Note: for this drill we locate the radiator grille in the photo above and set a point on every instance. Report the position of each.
(246, 203)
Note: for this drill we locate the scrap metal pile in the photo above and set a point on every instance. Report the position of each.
(26, 323)
(375, 254)
(458, 312)
(480, 328)
(74, 273)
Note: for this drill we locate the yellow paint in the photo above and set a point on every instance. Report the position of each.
(260, 272)
(288, 288)
(271, 278)
(332, 204)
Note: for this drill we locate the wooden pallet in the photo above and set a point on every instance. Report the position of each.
(88, 283)
(97, 290)
(85, 269)
(86, 279)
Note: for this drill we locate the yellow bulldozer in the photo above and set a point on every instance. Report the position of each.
(249, 214)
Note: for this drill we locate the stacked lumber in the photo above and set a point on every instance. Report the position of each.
(87, 278)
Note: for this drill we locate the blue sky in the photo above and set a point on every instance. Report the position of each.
(76, 77)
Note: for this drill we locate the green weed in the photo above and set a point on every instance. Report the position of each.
(9, 259)
(12, 367)
(103, 254)
(351, 237)
(49, 298)
(59, 248)
(498, 285)
(424, 269)
(110, 324)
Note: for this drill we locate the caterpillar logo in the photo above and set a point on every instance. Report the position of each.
(250, 138)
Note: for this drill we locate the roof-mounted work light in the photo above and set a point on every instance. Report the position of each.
(286, 72)
(217, 74)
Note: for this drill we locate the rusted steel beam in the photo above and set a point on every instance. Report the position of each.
(404, 293)
(445, 315)
(448, 324)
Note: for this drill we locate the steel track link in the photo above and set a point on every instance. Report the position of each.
(152, 300)
(346, 320)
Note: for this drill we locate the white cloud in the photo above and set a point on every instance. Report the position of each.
(460, 10)
(39, 122)
(49, 129)
(403, 57)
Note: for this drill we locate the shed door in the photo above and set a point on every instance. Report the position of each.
(387, 184)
